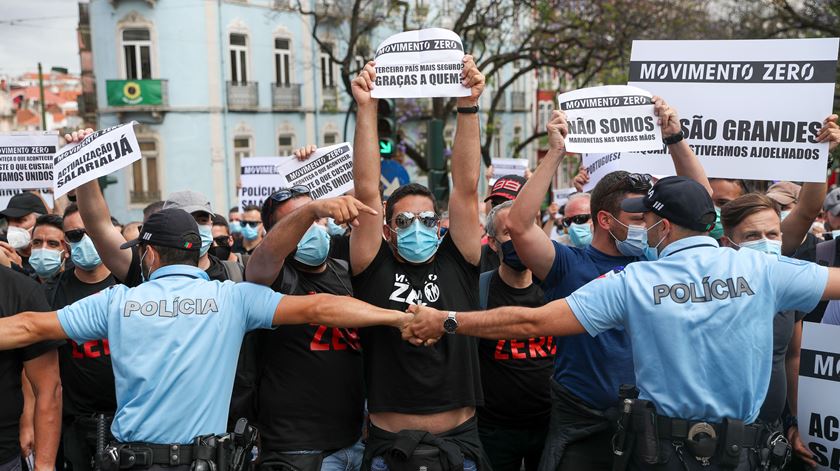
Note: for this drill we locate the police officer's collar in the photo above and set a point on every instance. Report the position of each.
(180, 270)
(688, 243)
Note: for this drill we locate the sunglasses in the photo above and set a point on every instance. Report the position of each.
(427, 218)
(250, 223)
(76, 235)
(640, 182)
(579, 219)
(288, 193)
(221, 241)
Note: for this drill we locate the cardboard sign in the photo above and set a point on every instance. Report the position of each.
(612, 118)
(750, 108)
(819, 387)
(26, 159)
(419, 64)
(101, 153)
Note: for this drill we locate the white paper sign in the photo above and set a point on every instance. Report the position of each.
(6, 195)
(101, 153)
(819, 387)
(419, 64)
(502, 167)
(26, 159)
(327, 173)
(612, 118)
(749, 108)
(561, 196)
(599, 165)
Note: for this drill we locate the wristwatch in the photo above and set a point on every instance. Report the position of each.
(468, 109)
(673, 139)
(450, 324)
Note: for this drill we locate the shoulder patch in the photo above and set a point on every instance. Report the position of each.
(793, 261)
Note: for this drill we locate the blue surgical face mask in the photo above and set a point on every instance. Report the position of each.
(334, 229)
(417, 243)
(84, 254)
(511, 258)
(784, 214)
(636, 243)
(250, 233)
(206, 233)
(46, 262)
(314, 246)
(580, 235)
(235, 227)
(717, 232)
(772, 247)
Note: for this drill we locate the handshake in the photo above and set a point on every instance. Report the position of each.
(425, 327)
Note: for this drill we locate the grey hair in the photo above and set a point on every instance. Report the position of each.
(490, 226)
(575, 196)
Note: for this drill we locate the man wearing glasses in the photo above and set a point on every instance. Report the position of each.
(252, 230)
(416, 395)
(589, 370)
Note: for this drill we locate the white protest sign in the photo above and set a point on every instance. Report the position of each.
(612, 118)
(502, 167)
(258, 179)
(26, 159)
(6, 195)
(561, 196)
(101, 153)
(420, 64)
(749, 108)
(819, 387)
(599, 165)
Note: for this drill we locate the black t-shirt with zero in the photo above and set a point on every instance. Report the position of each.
(18, 293)
(515, 373)
(401, 377)
(87, 377)
(311, 390)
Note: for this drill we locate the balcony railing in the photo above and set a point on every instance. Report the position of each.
(285, 96)
(519, 101)
(242, 95)
(329, 98)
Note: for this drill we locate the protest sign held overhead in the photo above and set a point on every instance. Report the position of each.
(598, 165)
(613, 118)
(819, 386)
(749, 109)
(259, 178)
(561, 196)
(26, 159)
(502, 167)
(420, 64)
(101, 153)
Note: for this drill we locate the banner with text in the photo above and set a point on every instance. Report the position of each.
(598, 165)
(561, 196)
(819, 387)
(44, 193)
(749, 108)
(26, 159)
(101, 153)
(613, 118)
(420, 64)
(502, 167)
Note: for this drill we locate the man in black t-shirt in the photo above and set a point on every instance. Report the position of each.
(86, 374)
(40, 363)
(514, 373)
(414, 391)
(309, 381)
(504, 189)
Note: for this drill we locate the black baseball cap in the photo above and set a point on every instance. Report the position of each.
(22, 204)
(507, 187)
(171, 227)
(680, 200)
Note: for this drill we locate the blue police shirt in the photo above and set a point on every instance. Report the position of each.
(174, 346)
(591, 368)
(701, 323)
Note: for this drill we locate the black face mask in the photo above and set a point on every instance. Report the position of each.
(510, 258)
(222, 252)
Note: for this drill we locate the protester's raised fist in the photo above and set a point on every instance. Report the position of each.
(363, 84)
(305, 152)
(343, 209)
(473, 79)
(77, 136)
(557, 129)
(668, 119)
(581, 179)
(427, 325)
(830, 132)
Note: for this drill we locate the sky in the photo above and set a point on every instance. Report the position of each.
(46, 34)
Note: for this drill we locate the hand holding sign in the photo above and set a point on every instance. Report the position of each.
(472, 79)
(668, 119)
(830, 132)
(558, 129)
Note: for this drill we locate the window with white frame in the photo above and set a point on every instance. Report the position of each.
(145, 186)
(282, 61)
(242, 149)
(330, 138)
(137, 53)
(238, 58)
(327, 68)
(285, 144)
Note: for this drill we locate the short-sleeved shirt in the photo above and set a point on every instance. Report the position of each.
(774, 403)
(590, 368)
(18, 293)
(174, 345)
(701, 322)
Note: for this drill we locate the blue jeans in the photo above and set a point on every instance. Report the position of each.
(378, 464)
(345, 459)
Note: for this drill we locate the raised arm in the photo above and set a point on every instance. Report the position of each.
(685, 161)
(268, 259)
(466, 168)
(336, 311)
(42, 373)
(366, 239)
(27, 328)
(532, 244)
(811, 196)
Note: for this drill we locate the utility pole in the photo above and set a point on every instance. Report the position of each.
(43, 107)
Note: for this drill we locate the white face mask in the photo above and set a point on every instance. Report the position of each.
(18, 238)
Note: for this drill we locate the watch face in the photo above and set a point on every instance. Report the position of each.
(449, 325)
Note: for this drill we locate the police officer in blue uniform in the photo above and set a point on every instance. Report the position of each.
(700, 320)
(174, 342)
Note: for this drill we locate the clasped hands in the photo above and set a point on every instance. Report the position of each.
(425, 327)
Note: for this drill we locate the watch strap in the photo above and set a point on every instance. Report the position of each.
(468, 109)
(673, 139)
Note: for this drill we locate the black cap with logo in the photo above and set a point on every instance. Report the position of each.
(171, 227)
(22, 204)
(680, 200)
(507, 187)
